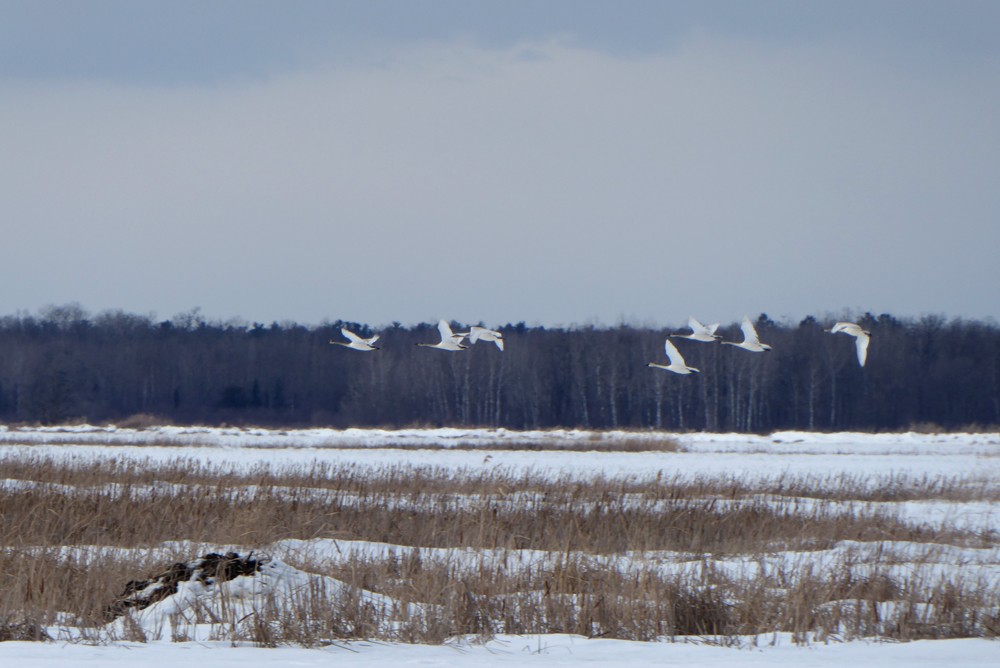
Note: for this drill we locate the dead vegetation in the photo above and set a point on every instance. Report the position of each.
(607, 542)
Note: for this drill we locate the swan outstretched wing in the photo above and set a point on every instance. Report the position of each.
(371, 341)
(447, 335)
(861, 343)
(351, 336)
(749, 332)
(445, 329)
(673, 354)
(697, 327)
(847, 328)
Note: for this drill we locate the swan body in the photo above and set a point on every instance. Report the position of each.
(476, 334)
(700, 332)
(861, 338)
(750, 340)
(677, 364)
(449, 340)
(355, 342)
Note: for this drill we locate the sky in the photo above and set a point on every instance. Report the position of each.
(561, 162)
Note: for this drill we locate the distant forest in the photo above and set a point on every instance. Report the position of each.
(65, 365)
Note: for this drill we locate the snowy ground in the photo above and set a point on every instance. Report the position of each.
(746, 457)
(974, 458)
(544, 651)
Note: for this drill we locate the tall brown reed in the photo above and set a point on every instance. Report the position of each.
(603, 538)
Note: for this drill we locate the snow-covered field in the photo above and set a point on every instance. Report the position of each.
(544, 651)
(739, 455)
(871, 460)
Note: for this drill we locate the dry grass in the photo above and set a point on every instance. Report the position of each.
(592, 584)
(402, 480)
(115, 503)
(142, 421)
(576, 595)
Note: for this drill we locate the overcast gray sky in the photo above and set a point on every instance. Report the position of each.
(552, 162)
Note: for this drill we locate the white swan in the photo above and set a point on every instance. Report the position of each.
(699, 332)
(355, 341)
(750, 340)
(477, 333)
(677, 364)
(449, 340)
(861, 338)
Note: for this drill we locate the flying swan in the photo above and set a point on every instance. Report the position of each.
(861, 338)
(700, 332)
(750, 340)
(449, 340)
(477, 333)
(355, 342)
(677, 364)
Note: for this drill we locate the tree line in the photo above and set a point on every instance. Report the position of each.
(63, 364)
